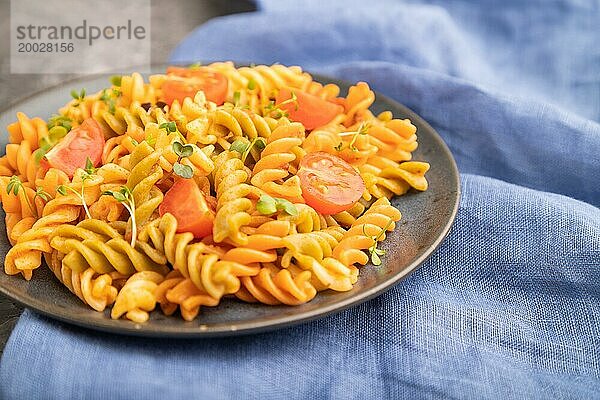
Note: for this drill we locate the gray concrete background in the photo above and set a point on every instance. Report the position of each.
(171, 21)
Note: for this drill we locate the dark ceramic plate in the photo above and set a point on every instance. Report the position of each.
(426, 220)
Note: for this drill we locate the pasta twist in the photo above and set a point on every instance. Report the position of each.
(24, 137)
(265, 81)
(273, 166)
(313, 252)
(386, 178)
(133, 89)
(273, 285)
(25, 255)
(95, 244)
(95, 290)
(144, 173)
(209, 268)
(360, 236)
(137, 297)
(177, 291)
(235, 199)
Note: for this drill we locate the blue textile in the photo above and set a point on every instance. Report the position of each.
(508, 307)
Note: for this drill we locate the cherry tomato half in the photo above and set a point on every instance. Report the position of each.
(72, 152)
(311, 111)
(186, 82)
(329, 184)
(186, 202)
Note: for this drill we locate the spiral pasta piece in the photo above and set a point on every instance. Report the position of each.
(313, 252)
(95, 244)
(273, 285)
(144, 173)
(178, 292)
(211, 269)
(273, 166)
(93, 289)
(359, 237)
(25, 255)
(137, 298)
(386, 178)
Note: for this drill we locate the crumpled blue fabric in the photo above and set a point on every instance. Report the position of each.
(508, 307)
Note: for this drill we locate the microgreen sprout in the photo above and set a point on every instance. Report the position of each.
(125, 197)
(78, 96)
(55, 134)
(42, 194)
(109, 101)
(268, 205)
(87, 174)
(363, 129)
(170, 126)
(251, 84)
(236, 98)
(182, 151)
(275, 110)
(89, 167)
(60, 120)
(373, 250)
(115, 80)
(15, 185)
(244, 148)
(195, 65)
(150, 139)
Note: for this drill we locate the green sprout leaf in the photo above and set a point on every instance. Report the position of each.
(374, 252)
(251, 84)
(115, 80)
(244, 148)
(60, 120)
(184, 171)
(287, 206)
(195, 65)
(240, 146)
(89, 166)
(177, 148)
(169, 126)
(56, 133)
(150, 139)
(62, 189)
(266, 205)
(42, 194)
(125, 197)
(15, 185)
(183, 150)
(236, 98)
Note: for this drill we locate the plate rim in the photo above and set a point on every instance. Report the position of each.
(253, 327)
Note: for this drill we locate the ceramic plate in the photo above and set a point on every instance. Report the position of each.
(426, 220)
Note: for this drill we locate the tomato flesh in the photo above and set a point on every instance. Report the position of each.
(83, 142)
(186, 202)
(186, 82)
(309, 110)
(329, 184)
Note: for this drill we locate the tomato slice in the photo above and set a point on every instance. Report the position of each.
(83, 142)
(329, 184)
(186, 202)
(309, 110)
(186, 82)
